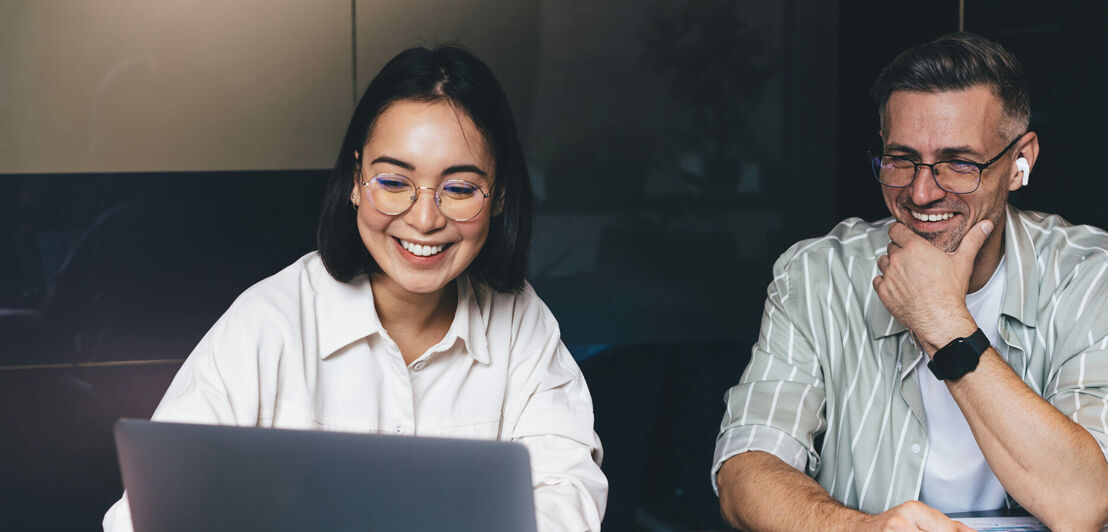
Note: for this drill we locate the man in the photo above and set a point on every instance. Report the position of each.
(951, 358)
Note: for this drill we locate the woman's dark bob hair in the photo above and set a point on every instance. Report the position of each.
(450, 74)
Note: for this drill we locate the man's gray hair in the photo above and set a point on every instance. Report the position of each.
(959, 61)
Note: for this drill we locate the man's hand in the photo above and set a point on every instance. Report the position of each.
(758, 492)
(914, 516)
(924, 287)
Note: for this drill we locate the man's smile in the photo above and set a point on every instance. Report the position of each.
(931, 217)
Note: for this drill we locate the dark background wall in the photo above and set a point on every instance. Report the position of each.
(676, 147)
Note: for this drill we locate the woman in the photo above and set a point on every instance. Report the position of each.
(413, 317)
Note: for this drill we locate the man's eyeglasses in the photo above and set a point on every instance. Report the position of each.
(956, 175)
(394, 194)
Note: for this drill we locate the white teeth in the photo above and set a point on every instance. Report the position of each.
(422, 251)
(931, 217)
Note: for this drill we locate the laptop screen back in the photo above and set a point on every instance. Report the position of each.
(203, 477)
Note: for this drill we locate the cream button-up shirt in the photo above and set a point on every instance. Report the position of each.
(300, 350)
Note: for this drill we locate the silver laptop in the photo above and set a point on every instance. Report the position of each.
(214, 478)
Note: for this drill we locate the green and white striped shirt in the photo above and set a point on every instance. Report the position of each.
(831, 360)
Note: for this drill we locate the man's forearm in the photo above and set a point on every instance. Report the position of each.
(759, 492)
(1048, 463)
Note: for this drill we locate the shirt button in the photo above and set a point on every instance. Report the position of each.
(916, 448)
(419, 365)
(398, 429)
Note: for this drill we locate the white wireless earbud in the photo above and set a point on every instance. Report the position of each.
(1021, 163)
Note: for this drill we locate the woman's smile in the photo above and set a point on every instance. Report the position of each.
(422, 254)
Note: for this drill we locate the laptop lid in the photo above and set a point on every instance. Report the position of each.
(206, 477)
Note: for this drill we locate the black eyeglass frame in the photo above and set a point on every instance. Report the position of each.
(875, 165)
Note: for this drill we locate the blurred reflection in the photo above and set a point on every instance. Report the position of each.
(137, 266)
(656, 154)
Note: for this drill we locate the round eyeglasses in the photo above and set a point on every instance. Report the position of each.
(394, 194)
(956, 176)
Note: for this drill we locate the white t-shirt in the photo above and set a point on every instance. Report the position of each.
(301, 350)
(956, 477)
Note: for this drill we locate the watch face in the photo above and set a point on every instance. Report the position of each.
(959, 357)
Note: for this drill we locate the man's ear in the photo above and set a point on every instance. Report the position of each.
(1027, 149)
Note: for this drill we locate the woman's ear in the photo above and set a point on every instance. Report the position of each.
(357, 168)
(354, 194)
(498, 205)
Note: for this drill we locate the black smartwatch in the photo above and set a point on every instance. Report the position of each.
(958, 357)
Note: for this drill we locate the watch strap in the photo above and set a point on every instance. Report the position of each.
(978, 341)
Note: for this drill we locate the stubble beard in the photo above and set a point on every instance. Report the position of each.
(948, 241)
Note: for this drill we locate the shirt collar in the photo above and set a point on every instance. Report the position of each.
(879, 321)
(469, 322)
(347, 314)
(1019, 299)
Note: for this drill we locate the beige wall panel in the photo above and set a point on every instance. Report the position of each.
(117, 85)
